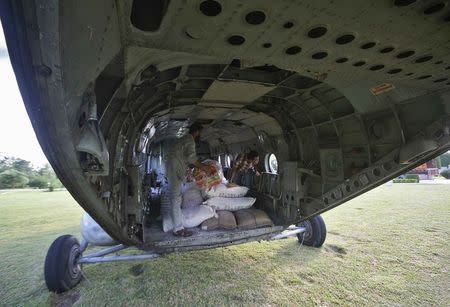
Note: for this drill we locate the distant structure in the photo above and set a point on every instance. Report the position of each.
(426, 171)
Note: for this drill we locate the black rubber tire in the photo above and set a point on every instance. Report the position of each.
(60, 271)
(316, 232)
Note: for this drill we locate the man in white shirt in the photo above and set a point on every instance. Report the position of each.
(180, 154)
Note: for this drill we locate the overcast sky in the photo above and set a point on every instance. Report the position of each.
(17, 136)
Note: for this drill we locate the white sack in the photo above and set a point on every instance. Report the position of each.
(93, 233)
(192, 217)
(223, 191)
(188, 185)
(230, 204)
(192, 198)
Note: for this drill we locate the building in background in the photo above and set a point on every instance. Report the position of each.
(427, 171)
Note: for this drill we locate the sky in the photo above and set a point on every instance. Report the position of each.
(17, 137)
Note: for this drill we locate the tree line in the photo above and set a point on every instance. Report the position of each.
(445, 159)
(18, 173)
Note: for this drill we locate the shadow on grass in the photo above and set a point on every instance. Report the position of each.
(65, 299)
(233, 274)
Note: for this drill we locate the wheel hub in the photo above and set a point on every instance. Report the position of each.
(308, 233)
(74, 267)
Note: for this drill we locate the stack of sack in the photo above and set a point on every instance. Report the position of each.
(194, 213)
(222, 196)
(229, 198)
(226, 206)
(233, 209)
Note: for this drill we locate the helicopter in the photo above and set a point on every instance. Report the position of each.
(337, 98)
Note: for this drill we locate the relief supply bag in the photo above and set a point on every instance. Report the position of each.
(192, 198)
(192, 216)
(206, 182)
(222, 190)
(224, 220)
(230, 204)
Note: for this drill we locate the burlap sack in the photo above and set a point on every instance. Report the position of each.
(252, 218)
(224, 220)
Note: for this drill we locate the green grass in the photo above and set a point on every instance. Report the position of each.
(388, 247)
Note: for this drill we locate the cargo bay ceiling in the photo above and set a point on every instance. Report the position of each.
(316, 61)
(351, 46)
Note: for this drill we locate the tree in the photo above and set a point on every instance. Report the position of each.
(22, 166)
(445, 174)
(46, 173)
(13, 179)
(445, 159)
(5, 163)
(17, 173)
(38, 182)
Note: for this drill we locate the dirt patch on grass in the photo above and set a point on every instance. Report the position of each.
(336, 249)
(137, 269)
(306, 277)
(66, 299)
(354, 238)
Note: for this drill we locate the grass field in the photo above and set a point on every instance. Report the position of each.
(390, 246)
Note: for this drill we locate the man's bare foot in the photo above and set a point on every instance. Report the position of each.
(183, 233)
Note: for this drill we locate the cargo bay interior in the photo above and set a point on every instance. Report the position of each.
(236, 119)
(270, 110)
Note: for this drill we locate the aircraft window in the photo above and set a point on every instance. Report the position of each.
(272, 164)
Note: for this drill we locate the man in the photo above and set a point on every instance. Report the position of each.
(244, 167)
(180, 154)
